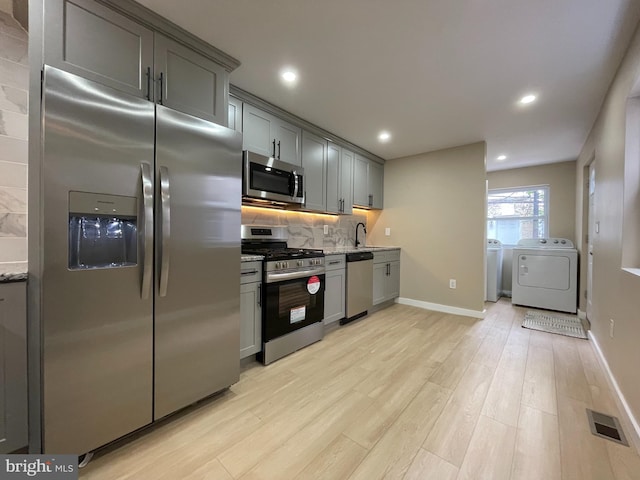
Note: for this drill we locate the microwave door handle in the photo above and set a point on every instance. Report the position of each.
(165, 225)
(295, 184)
(147, 228)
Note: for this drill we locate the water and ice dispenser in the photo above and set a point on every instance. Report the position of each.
(103, 231)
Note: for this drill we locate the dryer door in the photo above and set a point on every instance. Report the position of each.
(544, 271)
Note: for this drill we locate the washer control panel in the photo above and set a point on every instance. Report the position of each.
(545, 243)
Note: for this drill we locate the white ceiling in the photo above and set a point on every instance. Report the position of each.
(434, 73)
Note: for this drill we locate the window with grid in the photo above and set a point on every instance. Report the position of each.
(517, 213)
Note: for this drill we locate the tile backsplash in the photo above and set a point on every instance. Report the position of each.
(14, 94)
(307, 230)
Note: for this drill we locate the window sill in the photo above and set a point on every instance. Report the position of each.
(632, 271)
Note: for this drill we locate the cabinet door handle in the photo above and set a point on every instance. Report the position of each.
(335, 262)
(249, 272)
(274, 148)
(148, 83)
(161, 88)
(260, 295)
(278, 149)
(388, 269)
(370, 200)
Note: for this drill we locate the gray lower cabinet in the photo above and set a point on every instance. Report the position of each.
(335, 289)
(314, 162)
(93, 41)
(368, 183)
(13, 366)
(386, 276)
(250, 308)
(270, 136)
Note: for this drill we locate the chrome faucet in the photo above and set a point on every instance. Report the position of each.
(364, 227)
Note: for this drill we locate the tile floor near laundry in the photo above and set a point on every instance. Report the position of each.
(403, 394)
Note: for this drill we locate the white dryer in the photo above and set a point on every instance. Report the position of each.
(545, 274)
(493, 287)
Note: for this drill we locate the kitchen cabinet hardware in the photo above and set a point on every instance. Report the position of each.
(278, 149)
(148, 83)
(161, 88)
(249, 272)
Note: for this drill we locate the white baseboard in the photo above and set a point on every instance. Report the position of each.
(506, 293)
(621, 400)
(442, 308)
(582, 315)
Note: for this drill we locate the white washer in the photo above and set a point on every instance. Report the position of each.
(545, 274)
(493, 288)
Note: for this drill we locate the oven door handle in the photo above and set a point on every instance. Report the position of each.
(283, 276)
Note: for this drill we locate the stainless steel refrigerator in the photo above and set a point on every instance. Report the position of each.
(141, 262)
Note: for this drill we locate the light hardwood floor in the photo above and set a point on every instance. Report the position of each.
(403, 394)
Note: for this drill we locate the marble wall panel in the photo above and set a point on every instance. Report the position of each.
(14, 102)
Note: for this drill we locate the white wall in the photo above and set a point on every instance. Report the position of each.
(435, 206)
(616, 293)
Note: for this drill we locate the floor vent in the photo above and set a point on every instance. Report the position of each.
(606, 426)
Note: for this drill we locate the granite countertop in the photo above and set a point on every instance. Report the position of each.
(13, 272)
(366, 248)
(251, 258)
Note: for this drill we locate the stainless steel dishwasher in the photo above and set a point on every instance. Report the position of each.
(359, 285)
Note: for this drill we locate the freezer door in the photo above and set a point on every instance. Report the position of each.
(96, 320)
(197, 312)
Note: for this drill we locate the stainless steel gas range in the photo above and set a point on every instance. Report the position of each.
(292, 291)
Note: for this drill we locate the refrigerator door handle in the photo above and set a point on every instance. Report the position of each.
(165, 225)
(147, 223)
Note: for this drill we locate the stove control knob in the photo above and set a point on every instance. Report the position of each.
(300, 263)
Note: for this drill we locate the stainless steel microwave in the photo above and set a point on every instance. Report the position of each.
(265, 179)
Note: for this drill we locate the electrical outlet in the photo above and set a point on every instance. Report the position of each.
(387, 231)
(326, 229)
(452, 283)
(611, 325)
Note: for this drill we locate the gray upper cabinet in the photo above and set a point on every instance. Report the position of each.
(235, 114)
(334, 198)
(190, 82)
(13, 366)
(368, 180)
(94, 42)
(91, 40)
(314, 162)
(375, 180)
(339, 180)
(346, 180)
(270, 136)
(360, 183)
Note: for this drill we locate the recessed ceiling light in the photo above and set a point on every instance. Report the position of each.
(384, 136)
(289, 76)
(501, 157)
(530, 98)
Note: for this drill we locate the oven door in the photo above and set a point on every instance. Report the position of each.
(292, 304)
